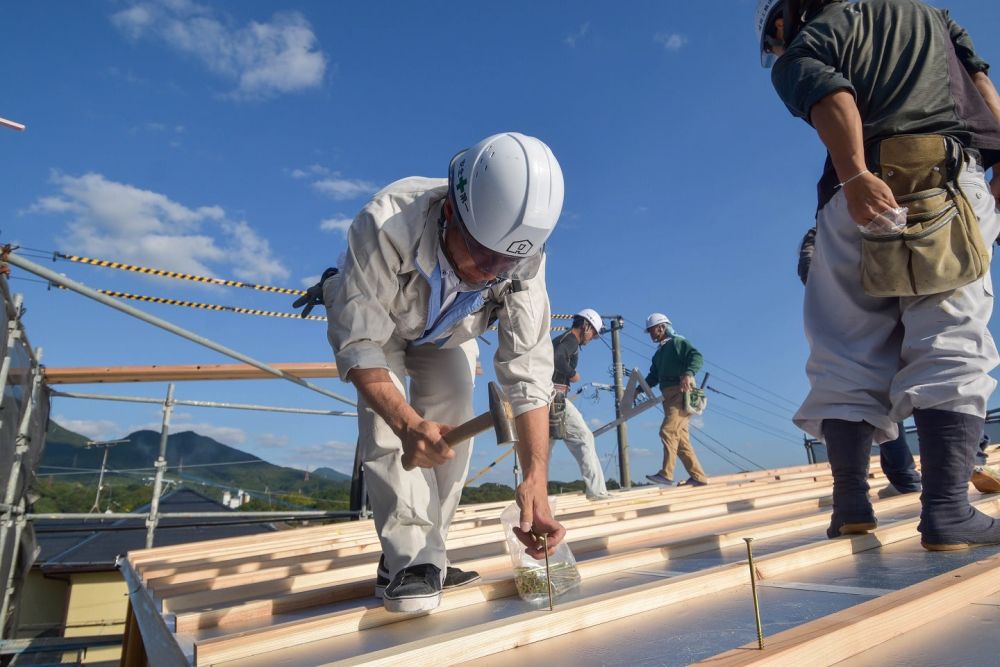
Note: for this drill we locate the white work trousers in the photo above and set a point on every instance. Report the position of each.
(413, 509)
(876, 359)
(580, 442)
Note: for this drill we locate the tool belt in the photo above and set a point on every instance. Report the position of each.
(941, 248)
(695, 401)
(557, 416)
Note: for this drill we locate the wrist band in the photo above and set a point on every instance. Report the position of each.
(857, 175)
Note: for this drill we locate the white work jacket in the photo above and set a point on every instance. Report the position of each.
(385, 289)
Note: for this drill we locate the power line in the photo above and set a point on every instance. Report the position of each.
(709, 448)
(794, 404)
(735, 453)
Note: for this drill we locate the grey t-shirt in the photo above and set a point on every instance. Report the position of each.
(907, 64)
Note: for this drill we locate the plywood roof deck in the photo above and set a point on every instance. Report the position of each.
(304, 597)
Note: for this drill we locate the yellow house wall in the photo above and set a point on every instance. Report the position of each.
(42, 604)
(98, 602)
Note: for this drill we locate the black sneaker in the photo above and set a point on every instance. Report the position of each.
(381, 578)
(414, 588)
(454, 578)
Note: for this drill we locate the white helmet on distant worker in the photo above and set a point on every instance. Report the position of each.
(767, 12)
(591, 316)
(508, 191)
(657, 318)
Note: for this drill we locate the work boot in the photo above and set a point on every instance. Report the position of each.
(414, 588)
(849, 446)
(948, 445)
(986, 479)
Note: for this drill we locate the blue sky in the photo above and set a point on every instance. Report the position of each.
(237, 140)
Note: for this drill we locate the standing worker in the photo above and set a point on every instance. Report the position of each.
(674, 366)
(896, 328)
(430, 265)
(566, 423)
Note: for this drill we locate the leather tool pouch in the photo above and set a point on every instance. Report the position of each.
(557, 417)
(941, 248)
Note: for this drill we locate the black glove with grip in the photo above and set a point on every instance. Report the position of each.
(314, 295)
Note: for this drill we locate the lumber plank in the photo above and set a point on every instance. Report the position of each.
(852, 631)
(483, 544)
(494, 636)
(171, 373)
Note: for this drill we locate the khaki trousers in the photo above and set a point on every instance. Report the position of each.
(413, 509)
(675, 438)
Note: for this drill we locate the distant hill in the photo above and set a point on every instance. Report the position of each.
(191, 457)
(330, 473)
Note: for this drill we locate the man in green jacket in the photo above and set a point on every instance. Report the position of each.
(673, 369)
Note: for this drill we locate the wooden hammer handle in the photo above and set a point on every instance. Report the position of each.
(474, 426)
(460, 433)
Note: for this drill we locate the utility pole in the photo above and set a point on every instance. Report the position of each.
(161, 467)
(106, 445)
(617, 322)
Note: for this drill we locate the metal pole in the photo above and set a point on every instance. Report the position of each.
(79, 288)
(305, 514)
(617, 322)
(161, 466)
(203, 404)
(517, 470)
(9, 589)
(20, 447)
(13, 333)
(100, 481)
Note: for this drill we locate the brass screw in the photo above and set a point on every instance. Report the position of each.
(548, 573)
(753, 587)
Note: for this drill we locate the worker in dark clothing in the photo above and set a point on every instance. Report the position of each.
(911, 123)
(565, 421)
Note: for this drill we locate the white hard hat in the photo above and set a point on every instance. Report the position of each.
(508, 190)
(656, 318)
(591, 316)
(767, 12)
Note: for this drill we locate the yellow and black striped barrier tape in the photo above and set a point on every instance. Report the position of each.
(204, 306)
(177, 274)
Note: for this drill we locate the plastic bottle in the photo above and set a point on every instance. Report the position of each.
(529, 574)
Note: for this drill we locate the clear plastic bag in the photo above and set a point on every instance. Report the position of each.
(529, 574)
(887, 223)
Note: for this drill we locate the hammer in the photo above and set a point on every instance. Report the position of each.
(500, 417)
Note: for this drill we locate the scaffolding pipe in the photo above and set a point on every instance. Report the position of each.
(202, 404)
(19, 525)
(79, 288)
(297, 514)
(20, 447)
(617, 322)
(161, 467)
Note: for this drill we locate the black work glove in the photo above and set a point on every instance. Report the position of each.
(314, 295)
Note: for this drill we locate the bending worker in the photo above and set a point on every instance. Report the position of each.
(430, 265)
(909, 118)
(674, 366)
(565, 421)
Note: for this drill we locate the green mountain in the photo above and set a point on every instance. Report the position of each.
(330, 473)
(190, 458)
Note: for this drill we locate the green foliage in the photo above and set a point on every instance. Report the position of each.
(486, 493)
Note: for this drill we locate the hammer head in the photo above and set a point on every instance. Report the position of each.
(503, 415)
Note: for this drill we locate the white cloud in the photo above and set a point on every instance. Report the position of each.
(95, 429)
(125, 223)
(338, 224)
(272, 440)
(595, 422)
(671, 41)
(227, 435)
(309, 281)
(344, 188)
(640, 451)
(581, 32)
(332, 454)
(261, 59)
